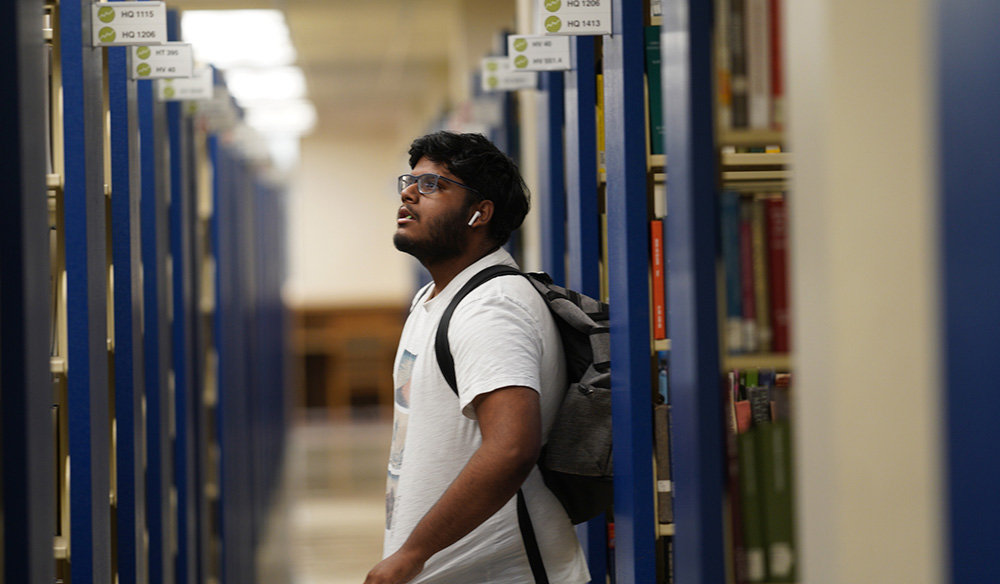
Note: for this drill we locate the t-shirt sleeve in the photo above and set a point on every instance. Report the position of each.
(496, 342)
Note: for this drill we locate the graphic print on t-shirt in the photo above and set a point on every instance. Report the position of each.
(401, 419)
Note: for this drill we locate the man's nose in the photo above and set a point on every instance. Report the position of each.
(410, 194)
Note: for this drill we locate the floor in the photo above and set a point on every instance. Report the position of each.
(328, 526)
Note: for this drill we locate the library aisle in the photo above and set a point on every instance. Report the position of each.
(328, 528)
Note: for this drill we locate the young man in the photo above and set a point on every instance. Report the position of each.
(456, 463)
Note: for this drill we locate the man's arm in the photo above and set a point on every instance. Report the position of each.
(511, 425)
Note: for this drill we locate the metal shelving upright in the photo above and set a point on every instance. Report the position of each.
(26, 488)
(696, 430)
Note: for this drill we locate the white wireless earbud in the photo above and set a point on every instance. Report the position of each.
(474, 217)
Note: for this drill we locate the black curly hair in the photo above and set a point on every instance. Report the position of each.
(481, 166)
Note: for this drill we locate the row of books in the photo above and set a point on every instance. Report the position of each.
(754, 242)
(750, 85)
(654, 97)
(760, 476)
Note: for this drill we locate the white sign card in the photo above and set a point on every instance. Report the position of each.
(198, 86)
(219, 112)
(499, 75)
(575, 17)
(128, 23)
(167, 61)
(538, 53)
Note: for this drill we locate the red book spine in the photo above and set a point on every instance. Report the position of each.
(659, 292)
(777, 244)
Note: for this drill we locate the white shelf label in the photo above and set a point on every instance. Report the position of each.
(538, 53)
(499, 75)
(166, 61)
(574, 17)
(199, 86)
(129, 23)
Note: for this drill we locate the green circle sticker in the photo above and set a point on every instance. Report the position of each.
(491, 66)
(553, 24)
(553, 5)
(143, 53)
(169, 92)
(143, 69)
(106, 14)
(492, 82)
(106, 34)
(521, 62)
(520, 44)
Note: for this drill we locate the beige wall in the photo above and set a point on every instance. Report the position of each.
(865, 271)
(342, 204)
(342, 213)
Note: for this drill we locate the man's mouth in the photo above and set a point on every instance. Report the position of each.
(405, 215)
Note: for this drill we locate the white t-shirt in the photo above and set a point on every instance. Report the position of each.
(501, 335)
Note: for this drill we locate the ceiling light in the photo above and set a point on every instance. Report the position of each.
(248, 85)
(287, 117)
(238, 38)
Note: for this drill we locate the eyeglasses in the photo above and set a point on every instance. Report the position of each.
(426, 183)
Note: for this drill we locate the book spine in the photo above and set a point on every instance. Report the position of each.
(654, 82)
(761, 281)
(746, 276)
(723, 89)
(777, 68)
(751, 511)
(730, 230)
(600, 121)
(659, 283)
(661, 446)
(777, 243)
(758, 63)
(776, 497)
(734, 511)
(737, 64)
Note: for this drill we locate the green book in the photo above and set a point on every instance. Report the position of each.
(654, 80)
(775, 473)
(751, 508)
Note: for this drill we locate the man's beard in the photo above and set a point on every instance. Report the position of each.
(447, 238)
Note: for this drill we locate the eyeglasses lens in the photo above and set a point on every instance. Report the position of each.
(426, 183)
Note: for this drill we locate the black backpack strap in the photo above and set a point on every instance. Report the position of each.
(447, 364)
(530, 543)
(441, 345)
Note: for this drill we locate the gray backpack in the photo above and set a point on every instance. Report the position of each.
(576, 461)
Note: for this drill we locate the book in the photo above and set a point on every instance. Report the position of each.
(659, 282)
(777, 243)
(757, 37)
(723, 90)
(761, 280)
(776, 488)
(748, 301)
(733, 499)
(661, 450)
(737, 64)
(751, 512)
(729, 227)
(777, 68)
(600, 122)
(663, 378)
(654, 83)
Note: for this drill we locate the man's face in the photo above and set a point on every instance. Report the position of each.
(433, 227)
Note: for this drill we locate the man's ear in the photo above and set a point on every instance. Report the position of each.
(482, 213)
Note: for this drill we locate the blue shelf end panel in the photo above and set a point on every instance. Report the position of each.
(628, 269)
(696, 431)
(968, 92)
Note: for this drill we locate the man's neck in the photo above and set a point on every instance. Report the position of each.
(445, 271)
